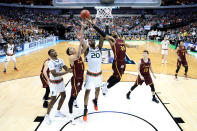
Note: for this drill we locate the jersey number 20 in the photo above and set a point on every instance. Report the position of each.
(95, 55)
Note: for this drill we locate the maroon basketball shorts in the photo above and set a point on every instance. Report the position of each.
(118, 68)
(182, 62)
(76, 86)
(147, 80)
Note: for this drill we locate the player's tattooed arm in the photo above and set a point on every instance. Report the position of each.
(138, 70)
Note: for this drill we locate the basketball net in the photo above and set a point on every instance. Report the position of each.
(104, 14)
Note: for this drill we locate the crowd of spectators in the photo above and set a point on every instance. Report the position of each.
(22, 26)
(19, 26)
(49, 2)
(178, 2)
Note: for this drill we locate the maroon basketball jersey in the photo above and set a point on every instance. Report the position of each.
(144, 67)
(181, 52)
(119, 50)
(47, 68)
(78, 68)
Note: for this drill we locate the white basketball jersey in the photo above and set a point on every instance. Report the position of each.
(94, 58)
(165, 44)
(10, 49)
(56, 65)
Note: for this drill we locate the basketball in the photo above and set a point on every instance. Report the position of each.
(85, 14)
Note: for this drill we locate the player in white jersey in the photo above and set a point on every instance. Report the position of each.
(10, 54)
(93, 77)
(164, 45)
(56, 83)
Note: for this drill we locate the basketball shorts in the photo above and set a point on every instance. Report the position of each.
(93, 81)
(8, 58)
(182, 62)
(164, 52)
(56, 86)
(147, 80)
(76, 86)
(118, 68)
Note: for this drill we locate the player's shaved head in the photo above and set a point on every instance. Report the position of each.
(51, 50)
(52, 53)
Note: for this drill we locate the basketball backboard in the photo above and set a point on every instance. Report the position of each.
(120, 3)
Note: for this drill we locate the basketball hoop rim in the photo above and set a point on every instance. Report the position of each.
(102, 7)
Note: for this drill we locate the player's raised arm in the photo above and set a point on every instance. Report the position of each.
(101, 40)
(102, 33)
(83, 46)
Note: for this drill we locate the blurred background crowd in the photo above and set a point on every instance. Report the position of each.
(28, 24)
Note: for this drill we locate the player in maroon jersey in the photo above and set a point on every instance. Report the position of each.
(144, 75)
(44, 77)
(119, 49)
(181, 53)
(77, 66)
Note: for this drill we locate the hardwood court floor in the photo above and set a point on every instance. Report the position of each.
(21, 92)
